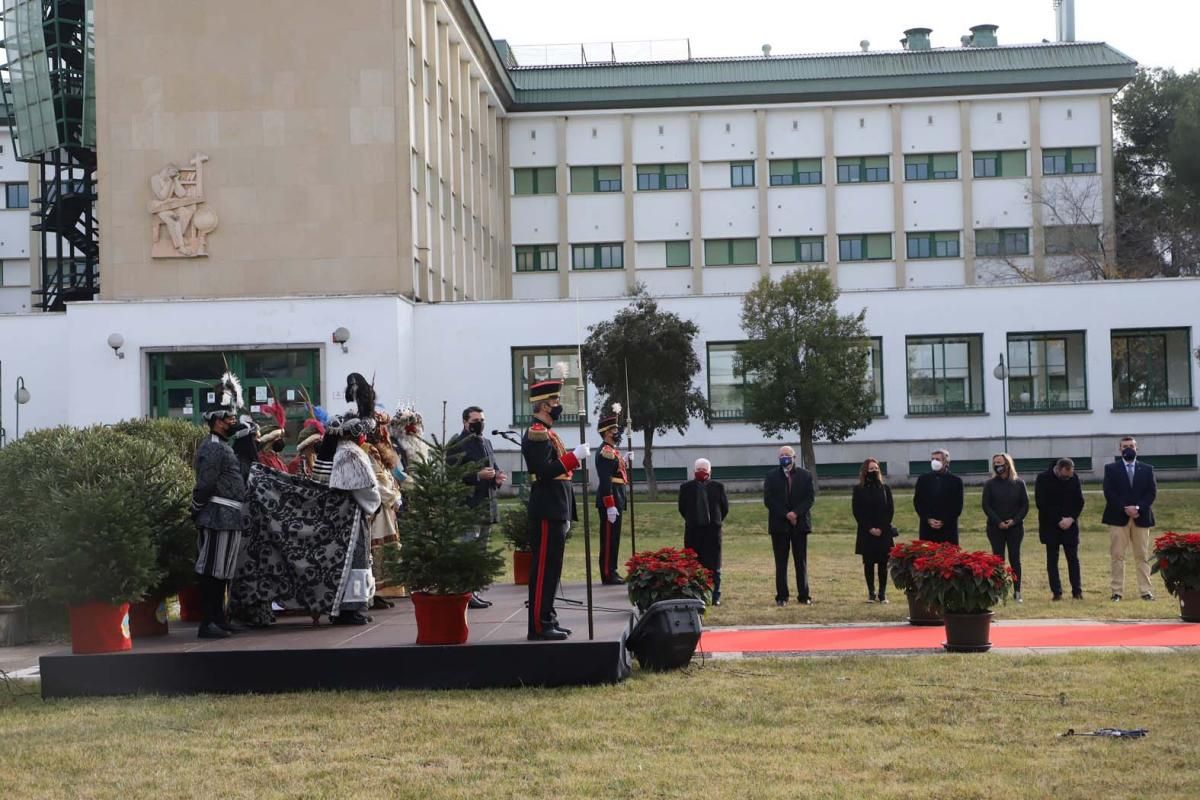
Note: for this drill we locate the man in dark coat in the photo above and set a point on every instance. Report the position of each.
(704, 506)
(551, 506)
(613, 477)
(471, 446)
(938, 500)
(1058, 495)
(789, 493)
(1129, 491)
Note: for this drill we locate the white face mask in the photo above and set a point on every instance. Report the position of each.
(936, 465)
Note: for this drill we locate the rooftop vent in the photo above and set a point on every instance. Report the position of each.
(984, 36)
(916, 39)
(865, 44)
(766, 48)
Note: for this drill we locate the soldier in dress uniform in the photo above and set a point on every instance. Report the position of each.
(551, 505)
(610, 496)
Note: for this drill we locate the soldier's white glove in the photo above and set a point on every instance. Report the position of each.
(612, 515)
(582, 451)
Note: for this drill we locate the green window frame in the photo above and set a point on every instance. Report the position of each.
(931, 166)
(945, 374)
(535, 180)
(1001, 242)
(1063, 240)
(662, 177)
(795, 172)
(1151, 368)
(864, 169)
(875, 374)
(1047, 371)
(531, 364)
(1069, 161)
(1000, 164)
(726, 382)
(730, 252)
(603, 255)
(537, 258)
(679, 254)
(865, 247)
(741, 174)
(933, 244)
(590, 180)
(181, 382)
(797, 249)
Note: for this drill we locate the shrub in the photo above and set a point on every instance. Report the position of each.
(180, 436)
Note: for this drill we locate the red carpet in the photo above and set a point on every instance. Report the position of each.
(909, 637)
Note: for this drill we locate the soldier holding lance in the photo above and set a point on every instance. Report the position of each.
(610, 496)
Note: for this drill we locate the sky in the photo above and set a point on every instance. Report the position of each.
(1159, 33)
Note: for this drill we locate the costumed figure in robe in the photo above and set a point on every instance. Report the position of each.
(385, 462)
(273, 442)
(309, 437)
(408, 432)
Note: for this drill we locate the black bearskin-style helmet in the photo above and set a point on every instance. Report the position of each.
(361, 395)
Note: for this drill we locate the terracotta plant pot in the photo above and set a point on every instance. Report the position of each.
(148, 618)
(1189, 605)
(441, 618)
(14, 627)
(99, 628)
(190, 607)
(968, 633)
(521, 562)
(921, 614)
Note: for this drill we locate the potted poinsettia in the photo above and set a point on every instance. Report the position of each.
(667, 574)
(670, 589)
(1177, 559)
(514, 524)
(900, 564)
(964, 586)
(439, 563)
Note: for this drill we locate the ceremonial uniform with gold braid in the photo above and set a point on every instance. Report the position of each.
(614, 477)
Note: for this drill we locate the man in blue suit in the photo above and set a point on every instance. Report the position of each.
(1129, 492)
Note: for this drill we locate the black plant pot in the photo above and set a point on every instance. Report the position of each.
(665, 637)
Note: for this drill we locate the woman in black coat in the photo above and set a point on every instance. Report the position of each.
(1005, 503)
(873, 511)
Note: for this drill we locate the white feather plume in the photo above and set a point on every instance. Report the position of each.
(561, 370)
(616, 408)
(231, 391)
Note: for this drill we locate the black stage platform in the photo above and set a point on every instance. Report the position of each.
(295, 656)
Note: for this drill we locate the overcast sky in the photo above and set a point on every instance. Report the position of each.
(1154, 32)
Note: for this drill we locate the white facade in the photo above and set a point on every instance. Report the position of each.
(16, 279)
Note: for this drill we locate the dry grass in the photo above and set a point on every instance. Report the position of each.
(866, 727)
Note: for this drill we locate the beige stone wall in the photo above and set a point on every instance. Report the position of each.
(303, 109)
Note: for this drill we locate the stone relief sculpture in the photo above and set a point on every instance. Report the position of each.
(179, 206)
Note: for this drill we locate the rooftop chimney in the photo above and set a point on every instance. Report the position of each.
(1064, 14)
(984, 36)
(766, 48)
(916, 38)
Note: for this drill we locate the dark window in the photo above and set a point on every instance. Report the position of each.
(17, 195)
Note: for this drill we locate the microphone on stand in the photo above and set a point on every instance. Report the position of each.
(508, 436)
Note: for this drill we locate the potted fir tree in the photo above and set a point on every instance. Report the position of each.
(900, 563)
(964, 586)
(514, 524)
(439, 560)
(1177, 559)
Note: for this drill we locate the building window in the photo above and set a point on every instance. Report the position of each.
(797, 250)
(936, 244)
(532, 364)
(17, 195)
(598, 256)
(1152, 368)
(931, 166)
(867, 169)
(1000, 164)
(945, 375)
(1063, 240)
(534, 180)
(1047, 372)
(726, 381)
(730, 252)
(796, 172)
(1069, 161)
(741, 173)
(679, 254)
(875, 375)
(655, 177)
(865, 247)
(1002, 242)
(595, 179)
(537, 257)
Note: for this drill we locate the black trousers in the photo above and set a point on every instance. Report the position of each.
(1071, 550)
(1010, 540)
(796, 543)
(548, 539)
(706, 541)
(213, 592)
(610, 545)
(869, 570)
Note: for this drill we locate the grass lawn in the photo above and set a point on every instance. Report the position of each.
(835, 573)
(864, 727)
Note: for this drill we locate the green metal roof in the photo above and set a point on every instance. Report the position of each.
(961, 70)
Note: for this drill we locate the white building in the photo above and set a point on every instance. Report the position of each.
(959, 194)
(15, 240)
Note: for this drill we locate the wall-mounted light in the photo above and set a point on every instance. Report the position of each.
(116, 341)
(340, 337)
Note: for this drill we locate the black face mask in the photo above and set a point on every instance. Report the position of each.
(278, 445)
(1129, 454)
(872, 477)
(1000, 469)
(616, 440)
(555, 413)
(1065, 478)
(475, 427)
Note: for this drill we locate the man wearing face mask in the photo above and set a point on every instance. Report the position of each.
(704, 506)
(610, 495)
(1129, 491)
(789, 493)
(1058, 495)
(938, 500)
(471, 446)
(551, 505)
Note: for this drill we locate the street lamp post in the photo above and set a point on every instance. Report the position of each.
(22, 397)
(1001, 373)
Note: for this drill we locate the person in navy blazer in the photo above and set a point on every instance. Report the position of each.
(1129, 491)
